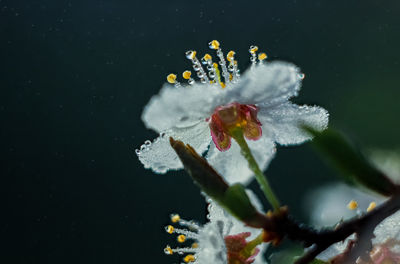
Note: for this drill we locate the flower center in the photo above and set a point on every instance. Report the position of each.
(229, 118)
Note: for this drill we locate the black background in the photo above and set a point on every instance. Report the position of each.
(75, 76)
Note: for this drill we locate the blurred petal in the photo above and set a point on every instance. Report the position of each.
(283, 121)
(159, 155)
(269, 83)
(179, 106)
(233, 166)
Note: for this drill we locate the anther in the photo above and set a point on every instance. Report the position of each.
(214, 44)
(170, 229)
(195, 245)
(181, 238)
(371, 207)
(189, 258)
(171, 78)
(262, 56)
(190, 54)
(230, 55)
(253, 49)
(168, 250)
(352, 205)
(175, 218)
(186, 75)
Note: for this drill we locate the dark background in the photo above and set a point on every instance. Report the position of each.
(75, 76)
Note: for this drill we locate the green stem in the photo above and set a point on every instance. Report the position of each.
(237, 134)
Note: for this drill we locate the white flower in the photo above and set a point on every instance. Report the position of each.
(210, 241)
(258, 102)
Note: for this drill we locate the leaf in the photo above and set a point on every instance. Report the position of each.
(238, 203)
(355, 167)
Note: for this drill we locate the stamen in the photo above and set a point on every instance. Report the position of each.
(175, 218)
(353, 205)
(232, 66)
(253, 52)
(371, 206)
(191, 55)
(216, 46)
(171, 78)
(169, 251)
(207, 60)
(187, 76)
(170, 230)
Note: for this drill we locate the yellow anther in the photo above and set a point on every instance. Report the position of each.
(175, 218)
(262, 56)
(253, 49)
(207, 57)
(186, 75)
(230, 55)
(170, 229)
(371, 207)
(189, 258)
(195, 245)
(168, 250)
(171, 78)
(181, 238)
(352, 205)
(214, 44)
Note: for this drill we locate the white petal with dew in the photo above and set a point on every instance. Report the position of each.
(211, 244)
(233, 166)
(160, 156)
(179, 106)
(270, 83)
(284, 121)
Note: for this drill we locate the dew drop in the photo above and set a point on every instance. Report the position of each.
(302, 76)
(137, 152)
(147, 143)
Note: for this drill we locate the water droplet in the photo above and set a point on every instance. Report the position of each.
(137, 152)
(210, 67)
(200, 74)
(196, 67)
(230, 68)
(142, 147)
(147, 143)
(302, 76)
(163, 134)
(211, 74)
(202, 80)
(191, 81)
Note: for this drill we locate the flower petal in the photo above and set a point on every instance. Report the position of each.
(283, 121)
(233, 166)
(179, 106)
(159, 155)
(270, 83)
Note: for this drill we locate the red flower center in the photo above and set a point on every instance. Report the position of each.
(228, 118)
